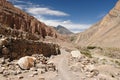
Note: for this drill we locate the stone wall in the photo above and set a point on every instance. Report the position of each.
(18, 48)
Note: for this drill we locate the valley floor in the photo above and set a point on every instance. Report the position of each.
(98, 67)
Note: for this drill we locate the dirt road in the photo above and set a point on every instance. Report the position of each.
(64, 72)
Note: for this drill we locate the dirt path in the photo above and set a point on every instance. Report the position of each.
(64, 72)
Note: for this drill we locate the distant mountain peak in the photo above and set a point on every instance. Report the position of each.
(62, 30)
(60, 26)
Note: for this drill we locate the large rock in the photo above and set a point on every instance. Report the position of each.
(26, 62)
(76, 54)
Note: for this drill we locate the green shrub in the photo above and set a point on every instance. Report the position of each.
(117, 62)
(86, 52)
(72, 38)
(91, 47)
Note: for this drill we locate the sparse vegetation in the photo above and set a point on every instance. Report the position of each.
(117, 62)
(104, 61)
(111, 52)
(86, 52)
(72, 38)
(91, 47)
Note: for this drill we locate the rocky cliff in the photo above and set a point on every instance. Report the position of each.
(105, 33)
(22, 34)
(17, 19)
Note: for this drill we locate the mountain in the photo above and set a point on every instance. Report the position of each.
(17, 19)
(105, 33)
(23, 35)
(63, 30)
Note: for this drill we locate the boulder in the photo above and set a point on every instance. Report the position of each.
(76, 54)
(90, 67)
(3, 41)
(5, 51)
(26, 62)
(41, 78)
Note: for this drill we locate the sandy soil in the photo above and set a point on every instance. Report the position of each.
(108, 70)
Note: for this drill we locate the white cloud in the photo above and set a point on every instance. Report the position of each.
(74, 27)
(37, 9)
(19, 6)
(39, 13)
(45, 11)
(19, 1)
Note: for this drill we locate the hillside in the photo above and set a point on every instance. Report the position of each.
(105, 33)
(15, 18)
(29, 49)
(22, 34)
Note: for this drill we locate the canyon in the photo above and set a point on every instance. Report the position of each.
(44, 53)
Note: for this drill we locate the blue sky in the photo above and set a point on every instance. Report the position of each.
(76, 15)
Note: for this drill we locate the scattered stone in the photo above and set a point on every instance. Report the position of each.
(33, 69)
(25, 71)
(76, 54)
(31, 75)
(89, 67)
(86, 62)
(44, 61)
(95, 72)
(103, 79)
(112, 75)
(41, 78)
(52, 56)
(6, 73)
(35, 73)
(3, 41)
(26, 62)
(20, 77)
(13, 72)
(41, 71)
(19, 72)
(1, 70)
(5, 51)
(76, 67)
(8, 60)
(50, 67)
(39, 65)
(92, 73)
(12, 67)
(2, 61)
(9, 79)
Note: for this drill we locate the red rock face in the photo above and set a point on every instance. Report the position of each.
(17, 19)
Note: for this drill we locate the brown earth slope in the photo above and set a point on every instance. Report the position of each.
(105, 33)
(22, 34)
(17, 19)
